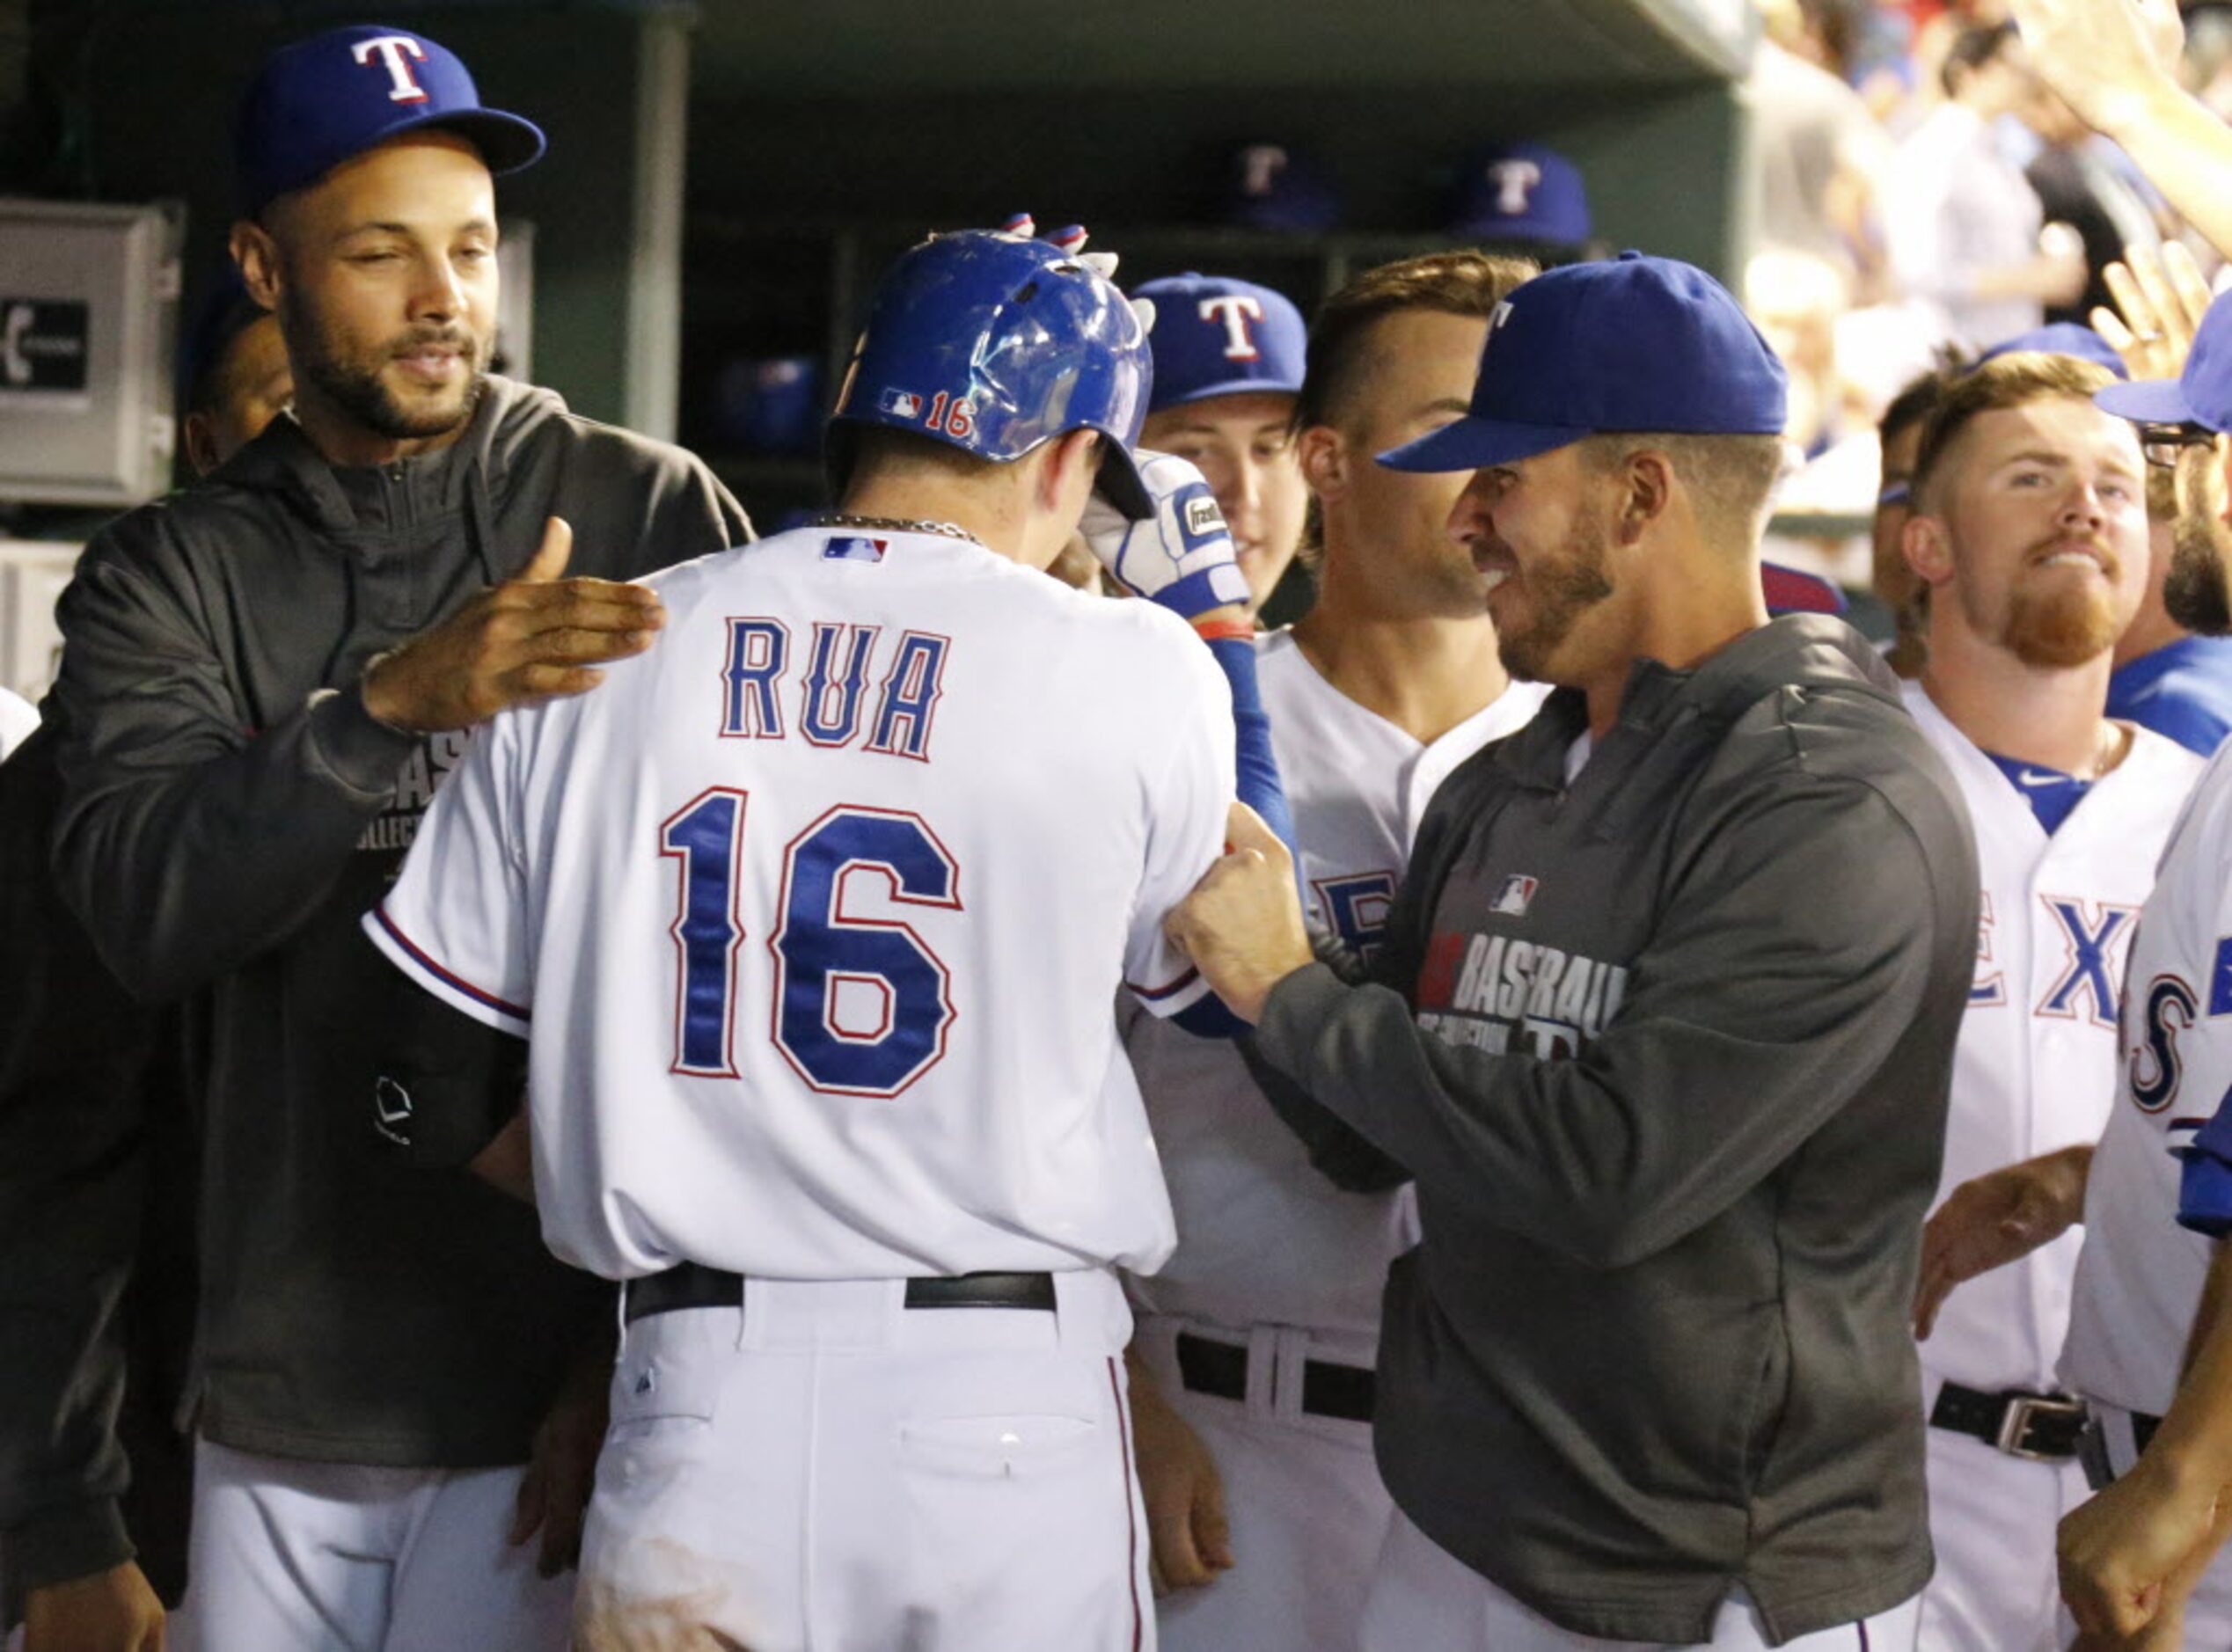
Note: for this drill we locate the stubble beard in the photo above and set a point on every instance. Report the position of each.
(2194, 588)
(354, 385)
(1559, 591)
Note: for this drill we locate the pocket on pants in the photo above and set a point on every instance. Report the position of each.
(997, 1448)
(670, 1380)
(981, 1493)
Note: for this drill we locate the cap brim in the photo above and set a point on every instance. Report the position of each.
(1120, 483)
(1472, 442)
(507, 142)
(2149, 401)
(1230, 387)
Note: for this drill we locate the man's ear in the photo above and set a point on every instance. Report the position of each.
(1647, 489)
(1070, 453)
(1324, 458)
(1928, 549)
(257, 255)
(200, 442)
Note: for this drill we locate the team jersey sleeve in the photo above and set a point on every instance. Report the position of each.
(1185, 831)
(456, 920)
(2204, 1186)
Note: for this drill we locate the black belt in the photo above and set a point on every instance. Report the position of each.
(689, 1285)
(1210, 1367)
(2043, 1427)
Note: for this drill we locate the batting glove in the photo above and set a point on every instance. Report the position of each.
(1181, 556)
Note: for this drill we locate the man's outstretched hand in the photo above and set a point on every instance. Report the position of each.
(536, 635)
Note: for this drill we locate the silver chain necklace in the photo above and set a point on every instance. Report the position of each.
(893, 524)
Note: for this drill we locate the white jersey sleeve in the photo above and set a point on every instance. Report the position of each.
(1186, 835)
(457, 920)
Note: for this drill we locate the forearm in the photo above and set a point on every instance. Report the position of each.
(2194, 1444)
(183, 870)
(2182, 149)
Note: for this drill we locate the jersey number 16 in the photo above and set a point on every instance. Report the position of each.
(821, 954)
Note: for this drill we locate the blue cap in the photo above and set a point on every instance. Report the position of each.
(1632, 343)
(2061, 338)
(2202, 395)
(315, 104)
(1216, 336)
(1275, 187)
(1522, 192)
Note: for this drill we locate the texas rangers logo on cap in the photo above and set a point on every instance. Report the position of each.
(1219, 336)
(328, 99)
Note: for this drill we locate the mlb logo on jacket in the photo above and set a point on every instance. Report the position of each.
(1515, 894)
(851, 548)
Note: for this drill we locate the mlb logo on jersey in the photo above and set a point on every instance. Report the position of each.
(1516, 894)
(901, 404)
(851, 548)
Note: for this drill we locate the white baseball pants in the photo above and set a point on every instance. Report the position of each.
(1425, 1597)
(1308, 1510)
(341, 1557)
(1992, 1520)
(824, 1467)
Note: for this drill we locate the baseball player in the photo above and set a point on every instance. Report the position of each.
(1258, 1334)
(2147, 1337)
(2030, 537)
(1662, 1020)
(263, 681)
(1228, 365)
(816, 910)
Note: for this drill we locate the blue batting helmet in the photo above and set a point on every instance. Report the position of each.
(993, 343)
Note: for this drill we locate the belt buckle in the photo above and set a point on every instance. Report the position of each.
(2024, 1409)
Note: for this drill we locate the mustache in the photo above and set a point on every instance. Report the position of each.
(2054, 545)
(446, 338)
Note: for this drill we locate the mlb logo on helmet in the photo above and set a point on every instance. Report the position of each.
(1514, 896)
(900, 404)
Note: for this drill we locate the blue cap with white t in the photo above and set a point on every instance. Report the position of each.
(1631, 343)
(321, 101)
(1217, 336)
(2202, 395)
(1523, 192)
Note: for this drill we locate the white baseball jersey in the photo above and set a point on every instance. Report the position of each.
(2140, 1275)
(817, 909)
(2035, 1069)
(1263, 1237)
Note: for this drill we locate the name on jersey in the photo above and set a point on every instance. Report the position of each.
(844, 686)
(426, 768)
(1483, 989)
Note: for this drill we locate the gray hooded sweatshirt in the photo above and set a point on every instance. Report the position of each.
(1667, 1050)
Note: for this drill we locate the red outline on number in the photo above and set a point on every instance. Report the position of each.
(735, 922)
(774, 688)
(930, 712)
(807, 696)
(836, 917)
